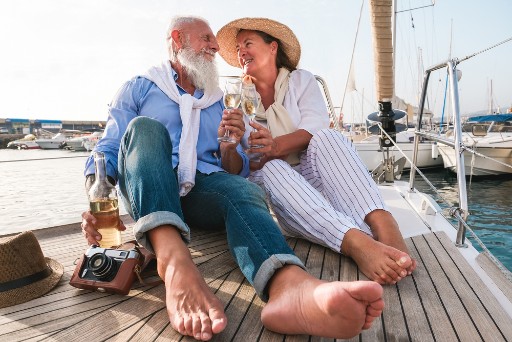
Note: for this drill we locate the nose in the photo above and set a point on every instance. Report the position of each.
(214, 45)
(241, 53)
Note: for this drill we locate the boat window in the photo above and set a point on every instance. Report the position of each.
(479, 130)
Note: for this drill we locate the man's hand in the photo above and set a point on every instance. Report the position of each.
(89, 230)
(232, 120)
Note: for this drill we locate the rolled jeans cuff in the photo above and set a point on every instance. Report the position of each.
(269, 268)
(157, 219)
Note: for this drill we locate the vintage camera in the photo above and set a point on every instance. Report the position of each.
(107, 270)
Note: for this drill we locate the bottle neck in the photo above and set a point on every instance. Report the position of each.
(101, 168)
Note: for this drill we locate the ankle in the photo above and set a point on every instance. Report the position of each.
(289, 275)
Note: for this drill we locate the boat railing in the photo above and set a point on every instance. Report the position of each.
(462, 211)
(330, 107)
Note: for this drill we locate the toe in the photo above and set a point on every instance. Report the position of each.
(218, 320)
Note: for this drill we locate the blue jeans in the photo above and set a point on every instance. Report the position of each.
(150, 191)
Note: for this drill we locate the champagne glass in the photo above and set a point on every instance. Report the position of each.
(232, 94)
(250, 104)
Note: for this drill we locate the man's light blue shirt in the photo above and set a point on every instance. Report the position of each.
(141, 97)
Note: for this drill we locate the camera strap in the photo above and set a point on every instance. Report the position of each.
(146, 257)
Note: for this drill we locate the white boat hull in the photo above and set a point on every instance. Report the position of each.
(372, 154)
(76, 144)
(476, 165)
(23, 145)
(49, 144)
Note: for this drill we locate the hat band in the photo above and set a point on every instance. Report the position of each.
(20, 282)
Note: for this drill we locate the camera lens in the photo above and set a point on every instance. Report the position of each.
(102, 266)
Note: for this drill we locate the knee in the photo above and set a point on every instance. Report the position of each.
(276, 168)
(273, 165)
(143, 129)
(143, 124)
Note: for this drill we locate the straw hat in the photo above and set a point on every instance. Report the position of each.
(25, 273)
(226, 37)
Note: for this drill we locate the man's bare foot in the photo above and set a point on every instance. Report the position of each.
(385, 229)
(192, 307)
(302, 304)
(378, 261)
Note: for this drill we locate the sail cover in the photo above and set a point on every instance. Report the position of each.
(380, 16)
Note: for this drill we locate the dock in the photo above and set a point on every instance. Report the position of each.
(443, 300)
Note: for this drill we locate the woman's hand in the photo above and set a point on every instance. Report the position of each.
(269, 146)
(232, 120)
(89, 230)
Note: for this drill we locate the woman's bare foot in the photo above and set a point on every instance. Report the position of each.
(385, 229)
(378, 261)
(192, 308)
(302, 304)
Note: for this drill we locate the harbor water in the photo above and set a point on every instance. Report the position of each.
(45, 188)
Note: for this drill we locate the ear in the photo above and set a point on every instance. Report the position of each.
(273, 47)
(176, 38)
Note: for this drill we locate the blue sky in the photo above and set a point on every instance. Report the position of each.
(65, 59)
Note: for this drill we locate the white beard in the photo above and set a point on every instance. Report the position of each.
(202, 73)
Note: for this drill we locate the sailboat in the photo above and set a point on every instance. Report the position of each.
(487, 142)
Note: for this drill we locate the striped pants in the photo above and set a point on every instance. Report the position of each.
(327, 194)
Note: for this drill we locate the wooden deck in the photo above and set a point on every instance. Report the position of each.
(442, 301)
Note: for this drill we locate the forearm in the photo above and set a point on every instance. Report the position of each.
(231, 160)
(292, 142)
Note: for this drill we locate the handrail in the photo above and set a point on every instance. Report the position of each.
(463, 210)
(330, 107)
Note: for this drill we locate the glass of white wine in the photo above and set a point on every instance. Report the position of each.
(232, 95)
(250, 104)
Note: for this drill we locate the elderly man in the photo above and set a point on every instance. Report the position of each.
(161, 146)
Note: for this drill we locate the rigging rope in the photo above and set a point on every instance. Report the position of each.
(352, 56)
(484, 50)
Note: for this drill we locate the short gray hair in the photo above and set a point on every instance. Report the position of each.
(176, 23)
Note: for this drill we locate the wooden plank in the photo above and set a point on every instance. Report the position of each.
(428, 274)
(227, 294)
(118, 318)
(51, 313)
(485, 312)
(251, 327)
(495, 274)
(236, 311)
(416, 320)
(41, 306)
(127, 333)
(43, 329)
(153, 327)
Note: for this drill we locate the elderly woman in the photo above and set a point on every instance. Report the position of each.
(316, 183)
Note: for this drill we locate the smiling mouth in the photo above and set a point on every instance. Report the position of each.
(248, 61)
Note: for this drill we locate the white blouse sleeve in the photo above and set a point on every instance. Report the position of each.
(305, 103)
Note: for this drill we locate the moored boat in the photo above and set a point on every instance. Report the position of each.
(372, 153)
(25, 143)
(55, 142)
(487, 146)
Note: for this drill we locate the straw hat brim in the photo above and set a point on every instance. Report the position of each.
(226, 38)
(34, 290)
